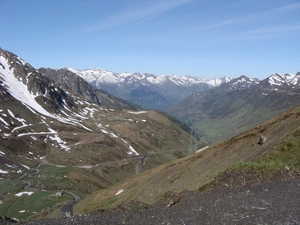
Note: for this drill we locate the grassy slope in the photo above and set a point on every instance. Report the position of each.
(218, 116)
(193, 172)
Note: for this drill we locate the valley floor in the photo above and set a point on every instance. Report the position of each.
(271, 200)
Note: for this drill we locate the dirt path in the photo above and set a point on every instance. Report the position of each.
(142, 161)
(67, 210)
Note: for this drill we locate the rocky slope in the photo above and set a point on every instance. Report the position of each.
(76, 84)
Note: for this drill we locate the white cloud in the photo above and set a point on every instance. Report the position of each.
(278, 10)
(214, 25)
(283, 29)
(256, 16)
(138, 14)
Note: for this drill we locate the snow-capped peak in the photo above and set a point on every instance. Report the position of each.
(281, 79)
(96, 74)
(99, 76)
(218, 81)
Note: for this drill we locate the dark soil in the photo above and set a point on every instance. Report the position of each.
(236, 197)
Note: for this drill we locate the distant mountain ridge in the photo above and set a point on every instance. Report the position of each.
(147, 90)
(233, 107)
(281, 79)
(104, 76)
(81, 87)
(286, 81)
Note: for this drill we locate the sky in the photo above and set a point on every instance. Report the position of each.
(200, 38)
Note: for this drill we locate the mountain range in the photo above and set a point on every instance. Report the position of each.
(215, 109)
(147, 90)
(65, 143)
(233, 107)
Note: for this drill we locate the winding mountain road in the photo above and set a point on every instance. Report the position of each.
(67, 210)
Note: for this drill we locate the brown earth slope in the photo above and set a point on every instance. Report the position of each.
(271, 199)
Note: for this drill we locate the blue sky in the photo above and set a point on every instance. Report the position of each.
(184, 37)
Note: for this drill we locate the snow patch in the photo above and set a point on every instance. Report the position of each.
(16, 118)
(2, 171)
(113, 135)
(3, 121)
(119, 192)
(10, 166)
(104, 131)
(138, 112)
(27, 167)
(132, 151)
(206, 147)
(92, 111)
(24, 193)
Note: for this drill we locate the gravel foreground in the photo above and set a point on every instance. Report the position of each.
(232, 200)
(275, 201)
